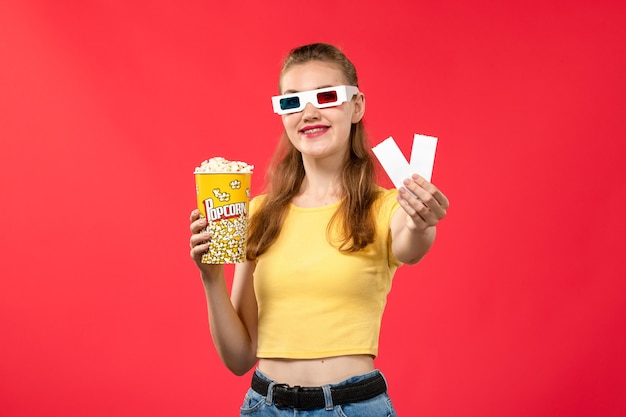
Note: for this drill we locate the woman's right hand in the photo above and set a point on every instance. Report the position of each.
(199, 244)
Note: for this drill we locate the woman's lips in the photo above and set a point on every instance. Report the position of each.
(312, 131)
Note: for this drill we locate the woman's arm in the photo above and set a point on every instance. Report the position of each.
(232, 318)
(413, 228)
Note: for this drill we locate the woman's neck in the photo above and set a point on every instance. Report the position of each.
(321, 186)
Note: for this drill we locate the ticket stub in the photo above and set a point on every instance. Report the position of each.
(398, 168)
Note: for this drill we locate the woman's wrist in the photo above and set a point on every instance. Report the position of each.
(211, 272)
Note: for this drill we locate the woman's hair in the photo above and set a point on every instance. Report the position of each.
(286, 173)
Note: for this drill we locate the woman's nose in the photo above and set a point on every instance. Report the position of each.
(310, 112)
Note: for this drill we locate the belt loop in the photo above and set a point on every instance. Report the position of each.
(328, 398)
(270, 393)
(384, 379)
(296, 398)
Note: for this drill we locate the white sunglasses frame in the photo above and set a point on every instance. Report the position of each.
(344, 93)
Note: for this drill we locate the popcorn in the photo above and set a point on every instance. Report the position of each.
(227, 245)
(219, 164)
(223, 195)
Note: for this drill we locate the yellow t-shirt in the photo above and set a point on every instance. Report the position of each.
(315, 301)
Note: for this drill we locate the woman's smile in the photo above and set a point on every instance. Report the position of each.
(314, 131)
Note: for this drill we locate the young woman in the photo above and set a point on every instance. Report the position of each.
(323, 244)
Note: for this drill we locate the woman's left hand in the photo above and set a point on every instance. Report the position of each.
(424, 204)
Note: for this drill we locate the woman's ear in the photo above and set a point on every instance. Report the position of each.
(359, 107)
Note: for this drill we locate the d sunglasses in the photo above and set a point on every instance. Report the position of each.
(320, 98)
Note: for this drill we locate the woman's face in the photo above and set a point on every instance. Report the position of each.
(320, 133)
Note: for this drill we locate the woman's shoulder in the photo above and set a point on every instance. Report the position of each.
(258, 198)
(257, 201)
(385, 194)
(387, 200)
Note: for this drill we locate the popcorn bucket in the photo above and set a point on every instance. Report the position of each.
(223, 198)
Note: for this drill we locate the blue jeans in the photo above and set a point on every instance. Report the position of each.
(257, 405)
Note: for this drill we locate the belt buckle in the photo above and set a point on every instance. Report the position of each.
(289, 395)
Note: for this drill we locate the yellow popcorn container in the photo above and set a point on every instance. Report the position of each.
(224, 198)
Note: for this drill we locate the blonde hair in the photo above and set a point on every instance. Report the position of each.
(354, 215)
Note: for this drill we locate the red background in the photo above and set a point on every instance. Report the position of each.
(106, 108)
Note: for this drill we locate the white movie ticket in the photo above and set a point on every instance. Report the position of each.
(395, 164)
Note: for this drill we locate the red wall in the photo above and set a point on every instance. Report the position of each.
(106, 108)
